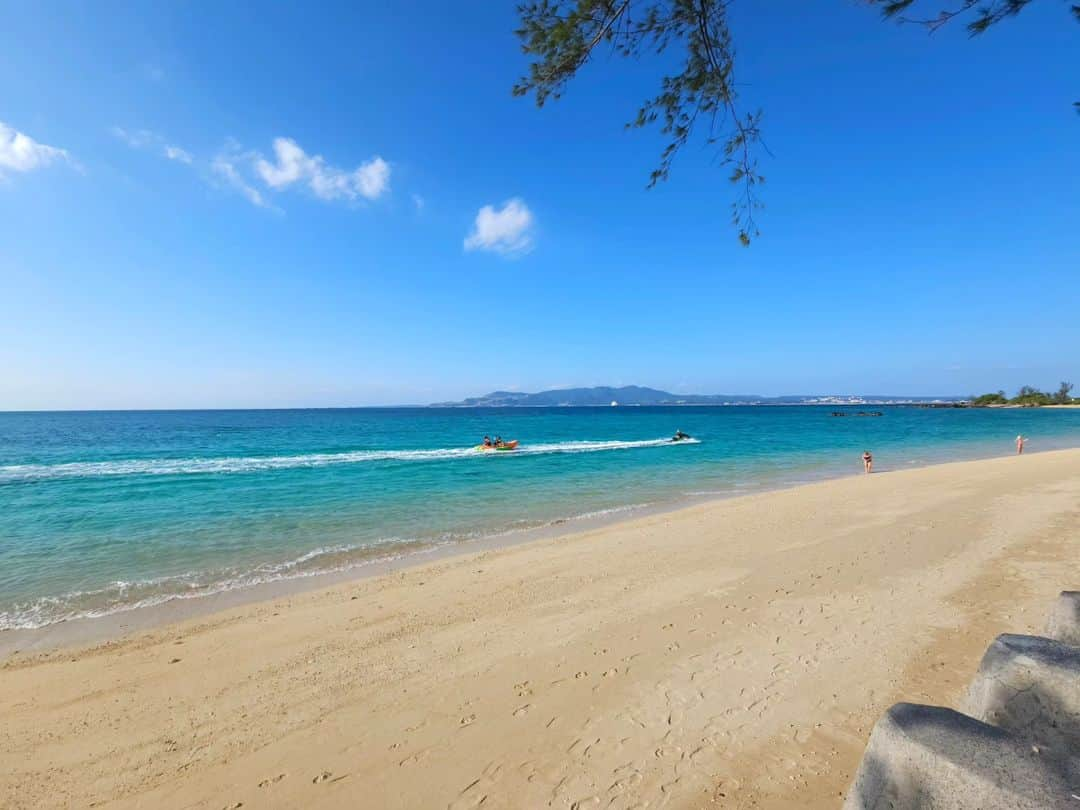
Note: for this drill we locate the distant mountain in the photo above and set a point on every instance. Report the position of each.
(601, 395)
(638, 395)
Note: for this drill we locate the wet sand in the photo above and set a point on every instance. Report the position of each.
(732, 654)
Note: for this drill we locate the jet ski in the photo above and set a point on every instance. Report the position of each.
(497, 448)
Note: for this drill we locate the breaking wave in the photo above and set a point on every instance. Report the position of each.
(123, 595)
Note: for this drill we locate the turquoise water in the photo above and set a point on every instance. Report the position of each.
(100, 511)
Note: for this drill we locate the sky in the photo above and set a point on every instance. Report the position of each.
(277, 205)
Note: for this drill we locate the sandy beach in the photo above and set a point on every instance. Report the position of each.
(730, 654)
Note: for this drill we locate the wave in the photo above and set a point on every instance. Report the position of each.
(123, 595)
(246, 464)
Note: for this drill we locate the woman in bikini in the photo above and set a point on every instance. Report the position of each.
(867, 461)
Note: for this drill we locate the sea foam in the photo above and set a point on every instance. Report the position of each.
(247, 464)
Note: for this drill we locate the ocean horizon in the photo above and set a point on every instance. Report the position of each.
(106, 511)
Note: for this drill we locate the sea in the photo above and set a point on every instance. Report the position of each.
(103, 512)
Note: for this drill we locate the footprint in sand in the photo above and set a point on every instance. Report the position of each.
(669, 786)
(467, 721)
(582, 674)
(322, 777)
(522, 710)
(272, 781)
(476, 792)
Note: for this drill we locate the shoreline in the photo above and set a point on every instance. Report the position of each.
(92, 630)
(125, 620)
(736, 651)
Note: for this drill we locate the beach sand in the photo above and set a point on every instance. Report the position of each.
(730, 654)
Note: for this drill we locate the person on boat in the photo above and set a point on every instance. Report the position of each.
(498, 441)
(680, 436)
(487, 441)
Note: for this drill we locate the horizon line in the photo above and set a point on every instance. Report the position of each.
(897, 400)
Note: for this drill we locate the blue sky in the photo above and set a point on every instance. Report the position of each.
(274, 205)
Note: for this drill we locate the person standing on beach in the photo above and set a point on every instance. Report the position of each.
(867, 462)
(1020, 441)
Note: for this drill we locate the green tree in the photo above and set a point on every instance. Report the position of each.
(980, 15)
(1064, 393)
(998, 398)
(561, 36)
(1029, 395)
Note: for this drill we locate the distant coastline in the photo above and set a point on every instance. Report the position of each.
(638, 396)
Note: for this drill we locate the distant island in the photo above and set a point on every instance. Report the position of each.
(636, 395)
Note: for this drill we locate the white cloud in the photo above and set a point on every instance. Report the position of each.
(224, 166)
(508, 230)
(176, 153)
(21, 153)
(246, 170)
(139, 139)
(369, 180)
(293, 163)
(145, 139)
(373, 177)
(418, 202)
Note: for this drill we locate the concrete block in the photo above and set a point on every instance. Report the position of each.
(922, 757)
(1030, 687)
(1064, 622)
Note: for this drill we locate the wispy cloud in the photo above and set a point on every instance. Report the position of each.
(145, 139)
(418, 202)
(248, 172)
(21, 153)
(138, 139)
(292, 164)
(176, 153)
(227, 166)
(507, 230)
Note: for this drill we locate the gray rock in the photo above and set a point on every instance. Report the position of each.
(1030, 687)
(1064, 622)
(922, 757)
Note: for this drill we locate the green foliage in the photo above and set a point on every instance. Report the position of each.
(561, 35)
(1027, 396)
(982, 401)
(1030, 396)
(985, 14)
(980, 14)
